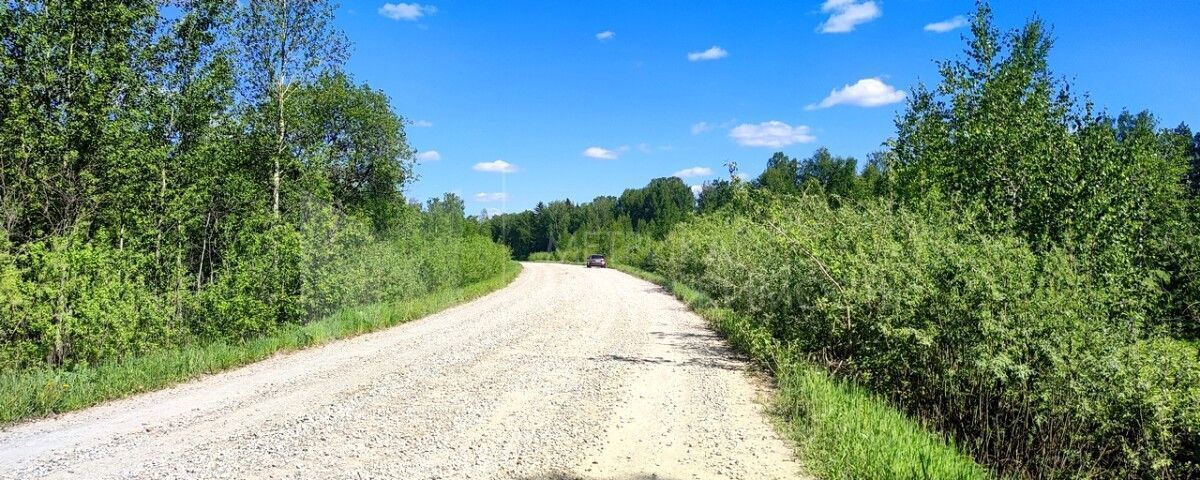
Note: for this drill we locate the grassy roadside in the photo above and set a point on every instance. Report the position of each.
(842, 431)
(32, 394)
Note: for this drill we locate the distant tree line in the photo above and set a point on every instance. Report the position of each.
(650, 210)
(664, 202)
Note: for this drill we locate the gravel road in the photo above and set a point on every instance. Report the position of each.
(566, 373)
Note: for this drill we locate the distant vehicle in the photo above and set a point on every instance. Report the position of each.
(597, 261)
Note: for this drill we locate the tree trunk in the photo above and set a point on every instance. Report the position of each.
(281, 95)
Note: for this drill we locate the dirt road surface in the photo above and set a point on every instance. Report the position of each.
(566, 373)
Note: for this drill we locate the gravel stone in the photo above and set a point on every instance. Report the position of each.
(566, 373)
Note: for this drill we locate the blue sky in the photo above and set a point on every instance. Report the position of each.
(688, 86)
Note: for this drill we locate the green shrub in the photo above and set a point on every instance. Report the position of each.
(843, 430)
(73, 302)
(67, 302)
(40, 391)
(543, 257)
(1021, 356)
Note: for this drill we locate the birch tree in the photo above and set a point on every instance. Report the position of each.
(285, 45)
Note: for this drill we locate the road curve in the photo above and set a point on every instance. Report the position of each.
(566, 373)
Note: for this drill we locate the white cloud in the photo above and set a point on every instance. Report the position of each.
(498, 166)
(868, 92)
(422, 124)
(696, 189)
(693, 172)
(605, 35)
(602, 153)
(702, 127)
(491, 197)
(429, 156)
(947, 25)
(406, 11)
(847, 14)
(712, 53)
(772, 134)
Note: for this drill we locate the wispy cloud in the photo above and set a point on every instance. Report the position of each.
(497, 166)
(605, 35)
(406, 11)
(702, 127)
(847, 14)
(712, 53)
(774, 134)
(429, 156)
(696, 189)
(693, 172)
(491, 197)
(868, 92)
(601, 153)
(947, 25)
(422, 124)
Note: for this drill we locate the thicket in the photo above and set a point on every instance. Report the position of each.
(843, 430)
(1017, 354)
(180, 172)
(1017, 269)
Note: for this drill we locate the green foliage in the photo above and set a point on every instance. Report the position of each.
(835, 176)
(844, 431)
(70, 91)
(714, 195)
(86, 302)
(543, 257)
(1194, 170)
(350, 135)
(657, 206)
(822, 173)
(1002, 137)
(550, 227)
(781, 175)
(180, 173)
(1009, 350)
(38, 392)
(79, 303)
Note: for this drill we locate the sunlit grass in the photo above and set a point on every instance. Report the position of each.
(842, 431)
(37, 393)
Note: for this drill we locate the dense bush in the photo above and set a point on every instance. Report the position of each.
(1010, 350)
(81, 303)
(70, 302)
(1003, 137)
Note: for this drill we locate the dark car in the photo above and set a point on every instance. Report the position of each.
(597, 261)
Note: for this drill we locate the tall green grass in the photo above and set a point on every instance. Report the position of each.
(35, 393)
(842, 431)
